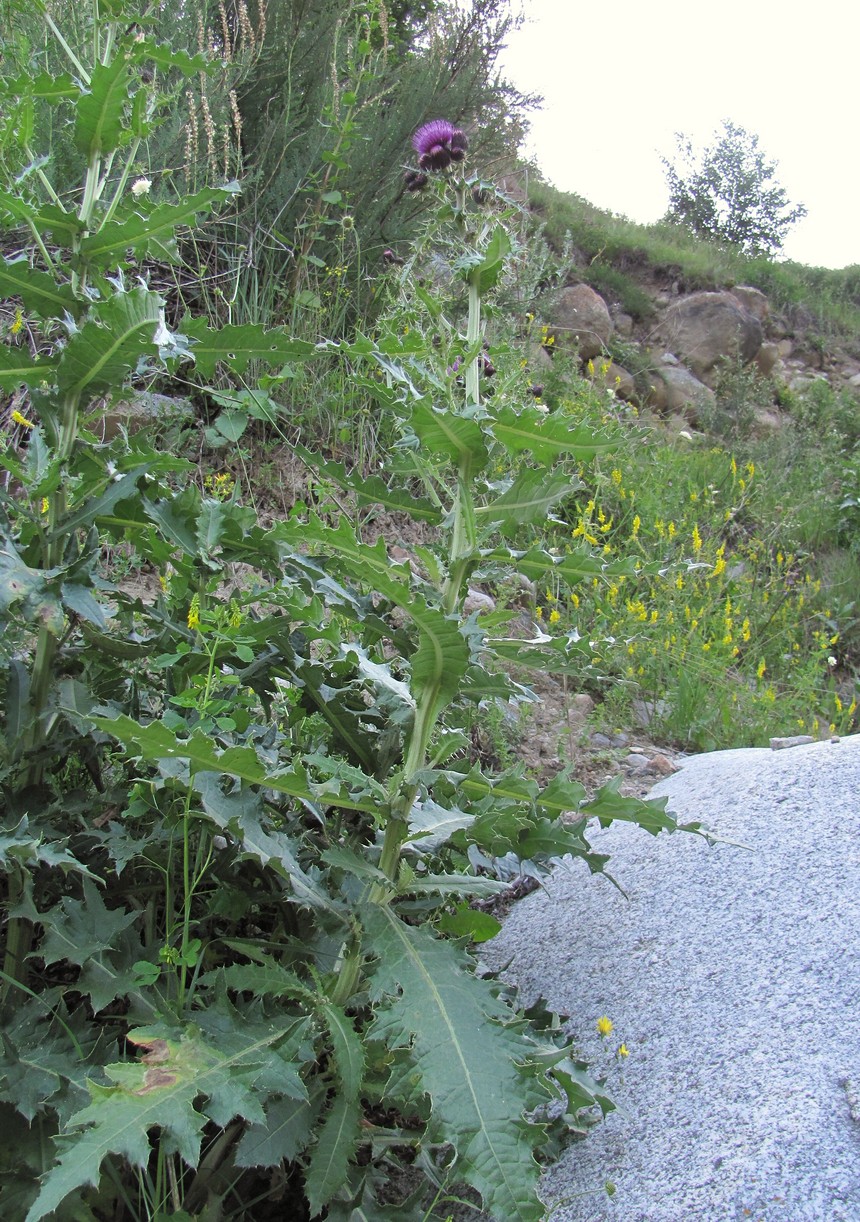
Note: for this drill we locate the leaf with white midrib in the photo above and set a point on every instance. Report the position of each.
(465, 1044)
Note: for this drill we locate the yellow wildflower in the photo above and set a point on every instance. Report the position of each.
(697, 540)
(554, 615)
(194, 612)
(604, 1025)
(637, 522)
(17, 418)
(761, 668)
(18, 322)
(623, 1050)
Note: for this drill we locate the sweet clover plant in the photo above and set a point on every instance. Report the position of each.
(242, 835)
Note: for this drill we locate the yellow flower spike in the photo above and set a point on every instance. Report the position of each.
(18, 322)
(604, 1025)
(697, 540)
(761, 668)
(194, 612)
(44, 504)
(17, 418)
(554, 615)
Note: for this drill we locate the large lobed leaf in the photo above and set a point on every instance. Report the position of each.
(231, 1067)
(466, 1046)
(109, 345)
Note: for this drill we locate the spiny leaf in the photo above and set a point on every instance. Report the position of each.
(547, 436)
(147, 50)
(107, 348)
(570, 567)
(18, 368)
(237, 346)
(98, 121)
(347, 1048)
(529, 499)
(44, 86)
(466, 1046)
(158, 225)
(370, 489)
(40, 292)
(241, 815)
(20, 846)
(283, 1134)
(442, 656)
(156, 742)
(329, 1158)
(160, 1090)
(82, 928)
(490, 269)
(649, 813)
(442, 431)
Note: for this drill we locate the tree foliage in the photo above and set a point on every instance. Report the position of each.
(728, 193)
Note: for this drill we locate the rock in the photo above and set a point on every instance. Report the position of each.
(623, 323)
(581, 317)
(145, 410)
(644, 711)
(767, 422)
(476, 600)
(855, 381)
(767, 359)
(753, 301)
(705, 328)
(652, 391)
(685, 393)
(540, 361)
(637, 765)
(661, 765)
(795, 740)
(602, 741)
(583, 704)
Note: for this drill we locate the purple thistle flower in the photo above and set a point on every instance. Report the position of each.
(438, 143)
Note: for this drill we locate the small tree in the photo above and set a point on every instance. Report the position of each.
(727, 192)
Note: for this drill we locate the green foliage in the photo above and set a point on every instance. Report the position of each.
(617, 252)
(727, 193)
(240, 828)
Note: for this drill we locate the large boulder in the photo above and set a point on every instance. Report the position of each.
(753, 301)
(705, 328)
(581, 317)
(685, 394)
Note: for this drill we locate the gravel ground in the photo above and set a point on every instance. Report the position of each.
(732, 976)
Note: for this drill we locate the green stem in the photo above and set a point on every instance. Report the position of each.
(76, 63)
(461, 550)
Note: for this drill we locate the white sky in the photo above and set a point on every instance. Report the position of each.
(619, 79)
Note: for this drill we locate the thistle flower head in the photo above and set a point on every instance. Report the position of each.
(438, 143)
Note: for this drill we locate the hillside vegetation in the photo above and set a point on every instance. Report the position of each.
(302, 512)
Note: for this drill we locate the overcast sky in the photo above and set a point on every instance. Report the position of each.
(621, 78)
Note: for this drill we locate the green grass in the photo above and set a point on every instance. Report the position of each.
(620, 254)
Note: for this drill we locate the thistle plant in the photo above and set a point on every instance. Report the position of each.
(242, 832)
